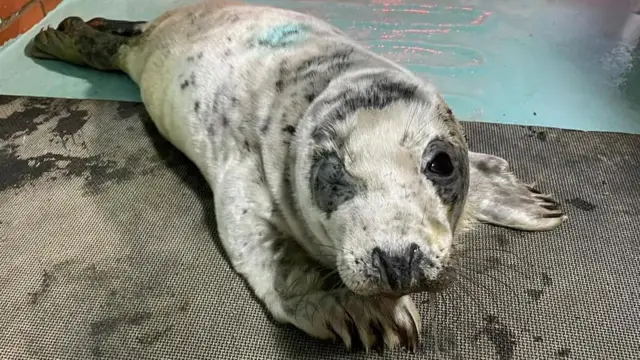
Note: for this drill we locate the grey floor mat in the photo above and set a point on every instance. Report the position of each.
(108, 250)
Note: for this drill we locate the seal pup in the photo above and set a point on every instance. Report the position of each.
(341, 179)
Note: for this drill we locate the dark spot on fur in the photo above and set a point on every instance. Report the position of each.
(314, 73)
(310, 97)
(582, 204)
(246, 146)
(331, 184)
(234, 101)
(200, 55)
(266, 124)
(228, 39)
(262, 179)
(191, 81)
(196, 106)
(336, 60)
(227, 53)
(563, 352)
(502, 338)
(279, 85)
(225, 121)
(190, 58)
(216, 104)
(244, 211)
(290, 129)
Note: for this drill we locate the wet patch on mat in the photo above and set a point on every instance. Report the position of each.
(63, 123)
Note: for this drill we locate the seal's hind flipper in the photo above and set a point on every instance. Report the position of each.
(498, 197)
(77, 43)
(118, 27)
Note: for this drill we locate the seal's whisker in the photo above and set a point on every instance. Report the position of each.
(451, 300)
(434, 327)
(484, 274)
(493, 263)
(299, 278)
(477, 284)
(455, 293)
(471, 296)
(515, 317)
(463, 253)
(485, 249)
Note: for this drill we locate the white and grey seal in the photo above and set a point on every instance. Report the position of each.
(341, 180)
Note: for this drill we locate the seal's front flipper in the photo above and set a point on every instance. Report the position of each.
(498, 197)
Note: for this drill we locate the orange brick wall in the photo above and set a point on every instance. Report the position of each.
(18, 16)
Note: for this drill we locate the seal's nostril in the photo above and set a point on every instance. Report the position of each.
(382, 262)
(398, 270)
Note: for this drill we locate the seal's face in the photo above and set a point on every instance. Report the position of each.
(393, 192)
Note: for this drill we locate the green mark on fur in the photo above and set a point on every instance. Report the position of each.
(283, 35)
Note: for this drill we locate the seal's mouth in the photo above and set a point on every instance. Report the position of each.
(443, 282)
(445, 279)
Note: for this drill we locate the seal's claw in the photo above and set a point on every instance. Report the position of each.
(369, 323)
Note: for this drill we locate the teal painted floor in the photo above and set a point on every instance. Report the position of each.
(528, 62)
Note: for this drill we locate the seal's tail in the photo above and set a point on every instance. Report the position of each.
(96, 44)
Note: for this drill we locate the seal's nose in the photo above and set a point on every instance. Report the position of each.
(398, 270)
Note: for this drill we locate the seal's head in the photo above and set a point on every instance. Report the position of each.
(383, 190)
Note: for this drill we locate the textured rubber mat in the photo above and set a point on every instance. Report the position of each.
(108, 250)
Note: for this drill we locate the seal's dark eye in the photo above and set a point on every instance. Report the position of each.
(440, 165)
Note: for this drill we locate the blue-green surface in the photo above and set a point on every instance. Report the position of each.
(535, 62)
